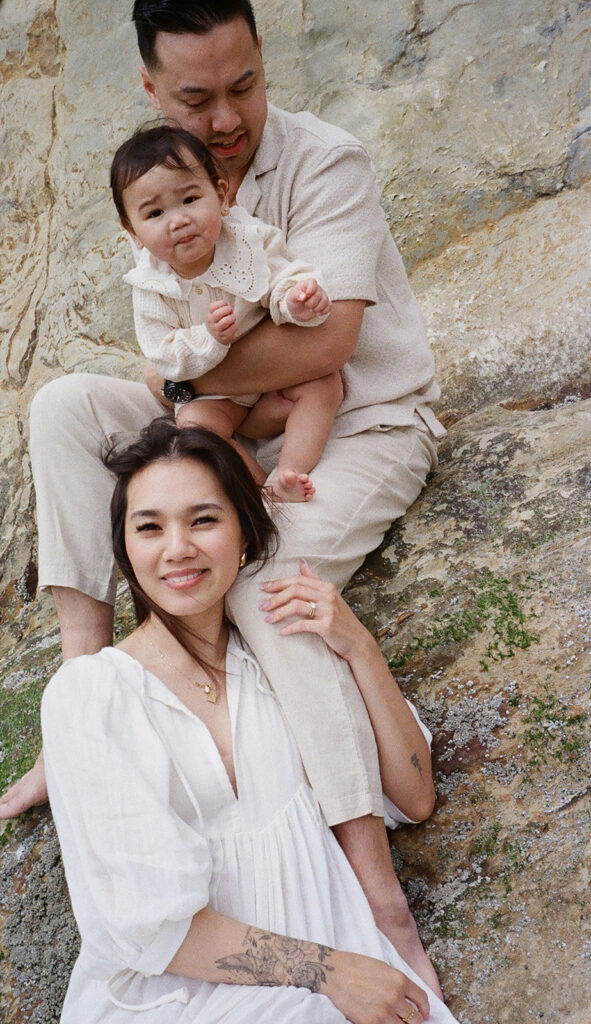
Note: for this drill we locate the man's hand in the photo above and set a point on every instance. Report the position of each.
(221, 322)
(307, 300)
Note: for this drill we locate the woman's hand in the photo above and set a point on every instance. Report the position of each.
(316, 607)
(222, 950)
(368, 991)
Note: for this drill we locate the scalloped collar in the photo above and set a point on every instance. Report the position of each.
(239, 264)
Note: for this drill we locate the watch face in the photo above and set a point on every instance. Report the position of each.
(178, 391)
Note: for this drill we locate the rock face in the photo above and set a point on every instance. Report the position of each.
(481, 598)
(478, 116)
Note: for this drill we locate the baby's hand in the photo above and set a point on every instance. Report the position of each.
(221, 322)
(307, 300)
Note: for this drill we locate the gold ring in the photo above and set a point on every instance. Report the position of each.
(408, 1019)
(312, 611)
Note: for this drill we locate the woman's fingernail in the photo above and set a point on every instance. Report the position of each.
(263, 607)
(268, 618)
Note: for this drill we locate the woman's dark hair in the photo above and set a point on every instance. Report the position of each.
(180, 16)
(157, 145)
(163, 441)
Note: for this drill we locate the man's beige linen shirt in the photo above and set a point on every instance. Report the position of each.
(317, 184)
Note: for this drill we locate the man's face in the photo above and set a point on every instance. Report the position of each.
(214, 86)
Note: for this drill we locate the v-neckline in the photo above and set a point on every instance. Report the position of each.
(233, 697)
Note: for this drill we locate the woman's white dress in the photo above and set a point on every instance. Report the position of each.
(151, 832)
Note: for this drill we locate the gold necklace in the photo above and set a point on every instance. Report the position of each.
(209, 689)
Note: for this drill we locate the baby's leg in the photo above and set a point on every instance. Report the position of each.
(223, 417)
(268, 416)
(307, 430)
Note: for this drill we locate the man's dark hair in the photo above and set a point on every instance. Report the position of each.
(159, 145)
(180, 16)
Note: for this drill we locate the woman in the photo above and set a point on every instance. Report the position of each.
(205, 882)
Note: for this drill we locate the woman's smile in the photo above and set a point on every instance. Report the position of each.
(185, 579)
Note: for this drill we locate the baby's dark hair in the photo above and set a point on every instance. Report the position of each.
(159, 145)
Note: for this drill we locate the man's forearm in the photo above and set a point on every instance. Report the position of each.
(270, 357)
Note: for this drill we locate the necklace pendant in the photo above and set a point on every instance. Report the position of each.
(211, 694)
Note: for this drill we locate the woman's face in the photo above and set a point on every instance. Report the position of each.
(183, 537)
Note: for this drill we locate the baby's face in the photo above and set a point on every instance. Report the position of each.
(177, 215)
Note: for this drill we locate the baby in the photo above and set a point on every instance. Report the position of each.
(206, 274)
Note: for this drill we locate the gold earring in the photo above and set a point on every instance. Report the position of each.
(242, 562)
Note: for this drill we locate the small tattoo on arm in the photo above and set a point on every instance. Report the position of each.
(416, 763)
(269, 959)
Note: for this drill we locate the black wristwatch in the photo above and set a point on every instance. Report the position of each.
(178, 391)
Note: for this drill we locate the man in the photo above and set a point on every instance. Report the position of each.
(203, 68)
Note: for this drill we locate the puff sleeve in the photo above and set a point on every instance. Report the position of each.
(177, 352)
(133, 860)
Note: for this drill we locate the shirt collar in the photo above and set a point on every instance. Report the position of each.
(239, 265)
(265, 159)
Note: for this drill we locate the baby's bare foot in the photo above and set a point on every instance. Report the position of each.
(287, 485)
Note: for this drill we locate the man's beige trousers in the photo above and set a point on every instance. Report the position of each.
(362, 483)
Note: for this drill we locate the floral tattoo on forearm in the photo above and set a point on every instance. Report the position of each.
(270, 959)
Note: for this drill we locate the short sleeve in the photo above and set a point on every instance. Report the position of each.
(131, 859)
(336, 221)
(393, 816)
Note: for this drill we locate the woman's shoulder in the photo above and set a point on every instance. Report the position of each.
(110, 660)
(91, 681)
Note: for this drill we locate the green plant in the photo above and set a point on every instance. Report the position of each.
(486, 844)
(493, 606)
(555, 733)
